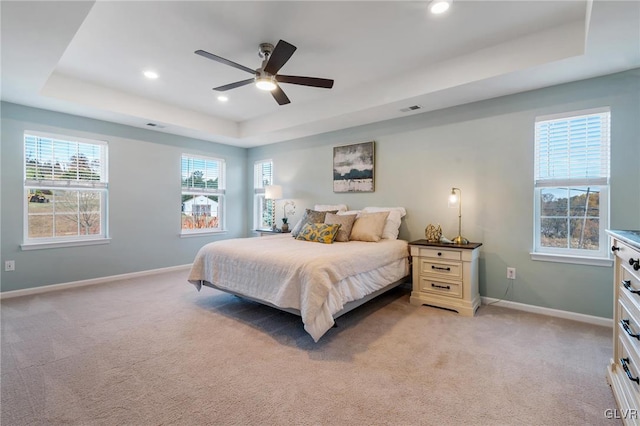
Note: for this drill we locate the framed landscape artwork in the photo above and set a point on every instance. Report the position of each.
(353, 168)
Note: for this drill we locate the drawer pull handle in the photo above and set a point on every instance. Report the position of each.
(439, 268)
(614, 248)
(439, 254)
(625, 324)
(624, 362)
(635, 263)
(446, 287)
(627, 285)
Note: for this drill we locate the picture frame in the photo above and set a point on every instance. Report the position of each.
(354, 168)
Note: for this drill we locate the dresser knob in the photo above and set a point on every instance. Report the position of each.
(439, 254)
(614, 248)
(635, 263)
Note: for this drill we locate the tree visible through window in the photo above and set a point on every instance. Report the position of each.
(202, 193)
(65, 182)
(572, 183)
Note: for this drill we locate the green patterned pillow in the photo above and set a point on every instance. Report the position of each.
(319, 233)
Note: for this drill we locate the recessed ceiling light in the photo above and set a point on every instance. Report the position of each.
(439, 6)
(151, 75)
(223, 98)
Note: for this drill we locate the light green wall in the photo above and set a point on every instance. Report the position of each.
(144, 200)
(486, 149)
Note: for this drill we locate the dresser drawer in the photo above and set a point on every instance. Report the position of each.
(440, 287)
(436, 253)
(629, 367)
(436, 268)
(629, 323)
(629, 286)
(629, 257)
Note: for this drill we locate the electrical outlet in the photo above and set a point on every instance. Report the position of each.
(10, 265)
(511, 273)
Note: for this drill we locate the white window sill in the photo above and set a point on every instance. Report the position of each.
(201, 233)
(61, 244)
(577, 260)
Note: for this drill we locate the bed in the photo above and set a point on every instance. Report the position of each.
(318, 282)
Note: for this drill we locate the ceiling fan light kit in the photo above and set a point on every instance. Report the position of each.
(266, 77)
(266, 83)
(439, 6)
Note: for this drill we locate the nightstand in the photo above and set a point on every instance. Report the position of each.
(445, 276)
(269, 232)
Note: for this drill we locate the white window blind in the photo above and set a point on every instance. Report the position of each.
(263, 174)
(64, 161)
(573, 150)
(201, 174)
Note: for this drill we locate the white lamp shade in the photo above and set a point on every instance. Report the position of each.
(273, 192)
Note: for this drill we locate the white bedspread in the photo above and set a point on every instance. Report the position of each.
(292, 274)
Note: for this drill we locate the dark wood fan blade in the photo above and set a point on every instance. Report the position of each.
(234, 85)
(224, 61)
(280, 96)
(305, 81)
(280, 55)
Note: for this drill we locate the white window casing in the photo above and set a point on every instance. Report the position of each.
(203, 195)
(65, 191)
(571, 187)
(262, 208)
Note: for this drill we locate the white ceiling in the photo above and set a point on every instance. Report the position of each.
(87, 58)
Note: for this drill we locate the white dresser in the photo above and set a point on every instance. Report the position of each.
(445, 276)
(624, 369)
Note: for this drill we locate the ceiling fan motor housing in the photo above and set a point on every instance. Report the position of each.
(265, 51)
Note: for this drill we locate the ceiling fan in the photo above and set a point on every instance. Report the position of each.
(266, 77)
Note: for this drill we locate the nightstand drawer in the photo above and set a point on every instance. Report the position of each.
(437, 253)
(440, 287)
(451, 270)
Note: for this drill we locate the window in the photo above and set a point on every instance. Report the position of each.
(262, 176)
(572, 184)
(202, 194)
(65, 189)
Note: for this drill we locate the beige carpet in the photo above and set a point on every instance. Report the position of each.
(154, 351)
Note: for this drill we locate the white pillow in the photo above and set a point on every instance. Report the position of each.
(392, 224)
(350, 212)
(327, 207)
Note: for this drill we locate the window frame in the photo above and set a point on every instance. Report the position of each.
(600, 257)
(101, 186)
(217, 192)
(259, 202)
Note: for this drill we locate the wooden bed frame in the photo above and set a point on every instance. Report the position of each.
(347, 307)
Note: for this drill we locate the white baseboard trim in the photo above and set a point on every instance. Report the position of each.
(589, 319)
(93, 281)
